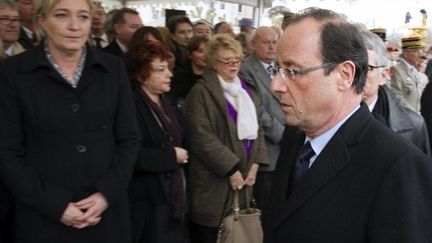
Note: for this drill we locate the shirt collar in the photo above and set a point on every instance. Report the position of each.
(319, 143)
(122, 47)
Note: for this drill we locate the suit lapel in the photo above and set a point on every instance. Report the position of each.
(263, 76)
(328, 164)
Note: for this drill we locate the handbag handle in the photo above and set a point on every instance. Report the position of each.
(236, 204)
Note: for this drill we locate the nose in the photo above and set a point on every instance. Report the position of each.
(277, 85)
(73, 23)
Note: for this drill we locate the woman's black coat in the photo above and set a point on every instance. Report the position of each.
(61, 144)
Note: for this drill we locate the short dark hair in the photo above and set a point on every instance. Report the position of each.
(175, 20)
(340, 41)
(195, 42)
(217, 26)
(142, 35)
(118, 17)
(139, 59)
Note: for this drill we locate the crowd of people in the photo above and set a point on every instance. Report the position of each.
(114, 131)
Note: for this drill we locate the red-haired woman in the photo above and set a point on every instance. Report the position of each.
(157, 190)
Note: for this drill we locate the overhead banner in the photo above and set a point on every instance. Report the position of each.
(253, 3)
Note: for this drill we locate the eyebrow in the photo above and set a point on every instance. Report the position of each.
(68, 10)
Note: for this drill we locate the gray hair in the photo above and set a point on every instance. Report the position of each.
(9, 3)
(374, 43)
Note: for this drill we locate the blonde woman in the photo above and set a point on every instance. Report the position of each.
(69, 134)
(226, 143)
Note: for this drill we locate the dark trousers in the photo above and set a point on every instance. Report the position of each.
(151, 223)
(202, 234)
(6, 215)
(262, 189)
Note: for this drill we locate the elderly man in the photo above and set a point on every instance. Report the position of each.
(202, 28)
(257, 70)
(407, 82)
(381, 101)
(98, 37)
(342, 176)
(9, 28)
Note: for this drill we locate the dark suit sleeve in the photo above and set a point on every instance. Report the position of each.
(426, 108)
(23, 180)
(114, 183)
(402, 211)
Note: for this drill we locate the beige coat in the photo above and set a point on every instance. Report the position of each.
(407, 84)
(214, 151)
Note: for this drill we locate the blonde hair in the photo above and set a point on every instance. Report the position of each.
(222, 41)
(42, 7)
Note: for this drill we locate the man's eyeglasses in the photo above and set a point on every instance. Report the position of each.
(9, 20)
(286, 72)
(234, 62)
(372, 67)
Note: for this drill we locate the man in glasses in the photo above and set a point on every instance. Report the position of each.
(9, 28)
(381, 100)
(342, 176)
(258, 71)
(407, 82)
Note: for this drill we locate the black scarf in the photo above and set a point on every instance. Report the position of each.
(168, 121)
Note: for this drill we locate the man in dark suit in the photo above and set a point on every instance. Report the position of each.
(342, 176)
(257, 70)
(381, 100)
(28, 38)
(125, 21)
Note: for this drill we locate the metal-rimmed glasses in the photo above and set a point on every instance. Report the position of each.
(286, 72)
(234, 62)
(5, 20)
(372, 67)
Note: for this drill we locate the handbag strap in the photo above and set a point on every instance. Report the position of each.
(236, 204)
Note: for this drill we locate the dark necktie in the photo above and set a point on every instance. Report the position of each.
(98, 42)
(301, 165)
(271, 70)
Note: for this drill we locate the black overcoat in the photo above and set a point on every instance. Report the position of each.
(368, 184)
(60, 144)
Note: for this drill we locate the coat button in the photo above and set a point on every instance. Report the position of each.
(81, 148)
(75, 107)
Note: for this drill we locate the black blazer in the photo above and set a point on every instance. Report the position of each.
(114, 49)
(367, 185)
(156, 159)
(60, 144)
(24, 40)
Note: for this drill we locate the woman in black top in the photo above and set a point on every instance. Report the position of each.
(157, 190)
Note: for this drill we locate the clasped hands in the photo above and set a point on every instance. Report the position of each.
(237, 182)
(86, 212)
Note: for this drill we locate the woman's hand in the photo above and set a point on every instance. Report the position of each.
(237, 181)
(181, 155)
(251, 177)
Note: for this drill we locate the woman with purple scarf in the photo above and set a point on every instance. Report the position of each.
(157, 189)
(226, 142)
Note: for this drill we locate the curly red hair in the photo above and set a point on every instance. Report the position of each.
(139, 58)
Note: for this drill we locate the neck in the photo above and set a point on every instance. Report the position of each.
(369, 101)
(6, 45)
(154, 97)
(64, 58)
(344, 109)
(198, 70)
(28, 25)
(97, 32)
